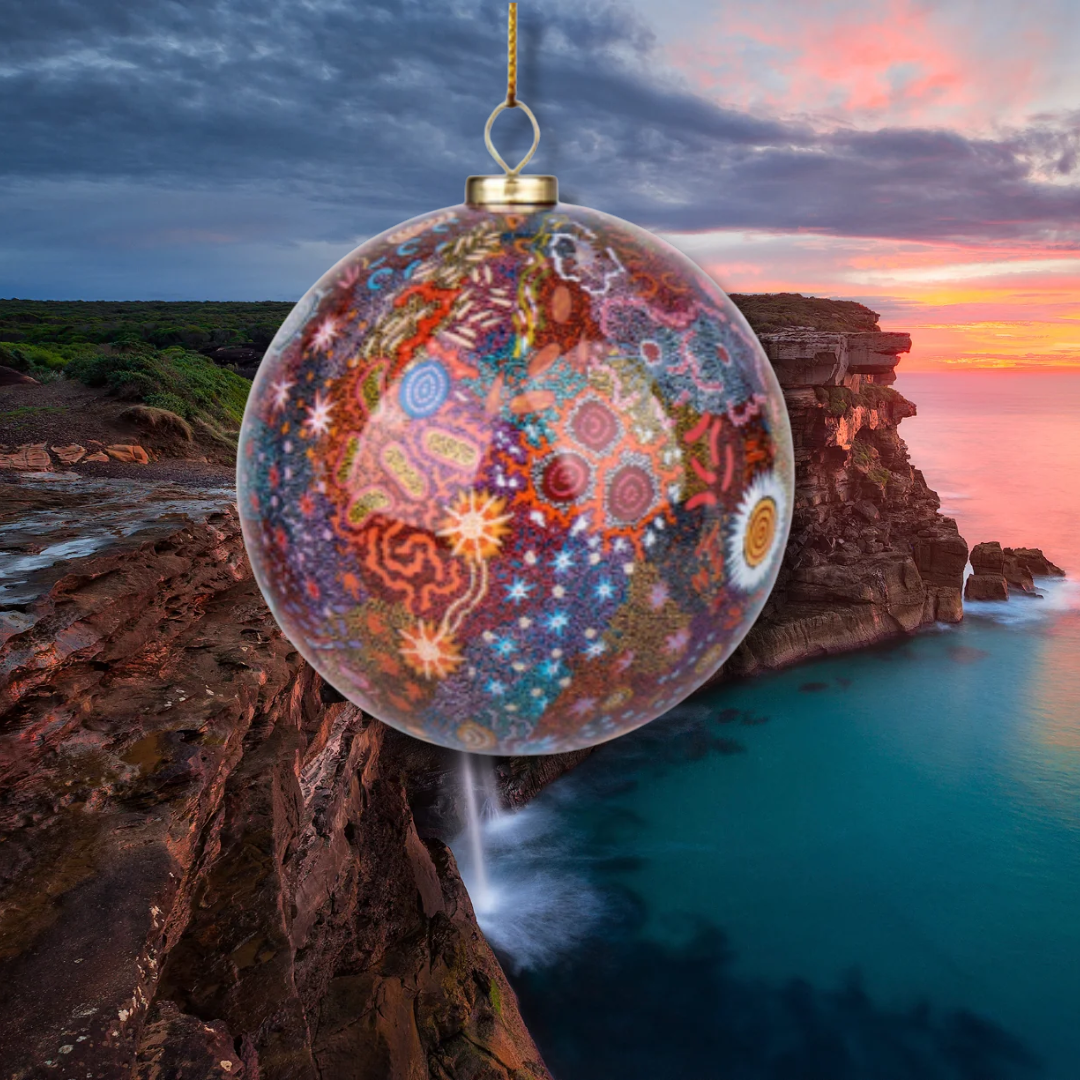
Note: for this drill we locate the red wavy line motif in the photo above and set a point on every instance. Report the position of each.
(410, 566)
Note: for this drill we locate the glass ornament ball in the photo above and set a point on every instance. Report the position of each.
(515, 480)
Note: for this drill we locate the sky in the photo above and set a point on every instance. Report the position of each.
(920, 157)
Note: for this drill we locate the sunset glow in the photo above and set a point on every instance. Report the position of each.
(966, 64)
(991, 307)
(891, 66)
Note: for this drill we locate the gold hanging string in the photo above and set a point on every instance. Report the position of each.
(511, 101)
(511, 59)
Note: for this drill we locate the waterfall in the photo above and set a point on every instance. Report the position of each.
(481, 804)
(523, 869)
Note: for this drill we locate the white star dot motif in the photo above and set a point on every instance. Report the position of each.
(279, 394)
(325, 335)
(318, 415)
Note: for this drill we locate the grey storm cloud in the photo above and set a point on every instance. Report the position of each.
(200, 130)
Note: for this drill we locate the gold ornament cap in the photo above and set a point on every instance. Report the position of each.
(511, 189)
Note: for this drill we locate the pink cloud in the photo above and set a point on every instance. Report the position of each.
(871, 62)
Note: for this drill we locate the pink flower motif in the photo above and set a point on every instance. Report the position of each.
(658, 595)
(583, 706)
(356, 677)
(677, 642)
(350, 277)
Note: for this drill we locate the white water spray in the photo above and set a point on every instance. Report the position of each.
(481, 803)
(530, 901)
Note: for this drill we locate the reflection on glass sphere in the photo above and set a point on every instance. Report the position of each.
(515, 482)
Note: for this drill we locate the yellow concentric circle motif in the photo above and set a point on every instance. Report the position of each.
(475, 737)
(760, 531)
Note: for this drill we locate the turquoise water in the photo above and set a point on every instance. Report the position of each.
(863, 867)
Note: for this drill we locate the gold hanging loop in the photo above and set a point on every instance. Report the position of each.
(491, 146)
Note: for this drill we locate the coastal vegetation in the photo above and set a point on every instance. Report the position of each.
(158, 353)
(840, 400)
(766, 312)
(195, 325)
(180, 356)
(58, 329)
(175, 379)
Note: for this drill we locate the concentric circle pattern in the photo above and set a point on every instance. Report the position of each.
(760, 532)
(565, 478)
(515, 483)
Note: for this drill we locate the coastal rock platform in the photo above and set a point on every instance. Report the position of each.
(998, 573)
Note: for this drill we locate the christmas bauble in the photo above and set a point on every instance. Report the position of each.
(515, 479)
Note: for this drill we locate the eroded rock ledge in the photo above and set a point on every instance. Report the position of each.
(869, 555)
(209, 865)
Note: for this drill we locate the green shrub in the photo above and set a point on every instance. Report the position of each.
(862, 453)
(182, 382)
(838, 400)
(216, 391)
(113, 369)
(132, 385)
(876, 397)
(170, 402)
(38, 361)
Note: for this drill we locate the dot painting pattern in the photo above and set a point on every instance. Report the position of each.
(515, 482)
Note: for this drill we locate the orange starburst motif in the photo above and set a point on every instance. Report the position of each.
(429, 650)
(475, 525)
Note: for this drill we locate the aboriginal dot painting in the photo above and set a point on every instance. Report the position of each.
(515, 483)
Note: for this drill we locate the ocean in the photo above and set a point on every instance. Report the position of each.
(861, 868)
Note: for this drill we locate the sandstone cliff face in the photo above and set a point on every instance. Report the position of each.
(209, 865)
(869, 554)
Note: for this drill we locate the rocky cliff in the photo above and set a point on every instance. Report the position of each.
(869, 555)
(998, 571)
(210, 865)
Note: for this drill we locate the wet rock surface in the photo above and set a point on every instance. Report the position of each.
(209, 863)
(870, 555)
(998, 573)
(986, 587)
